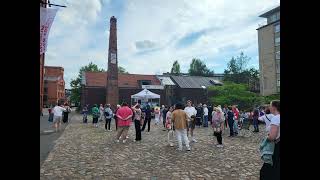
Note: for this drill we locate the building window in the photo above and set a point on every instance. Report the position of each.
(278, 82)
(277, 41)
(145, 82)
(277, 28)
(278, 66)
(278, 55)
(45, 90)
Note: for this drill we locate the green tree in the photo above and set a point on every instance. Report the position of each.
(122, 70)
(199, 68)
(234, 94)
(237, 72)
(175, 68)
(76, 83)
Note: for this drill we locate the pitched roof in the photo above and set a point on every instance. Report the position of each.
(165, 80)
(99, 79)
(194, 82)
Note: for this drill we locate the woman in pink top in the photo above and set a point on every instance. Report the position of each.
(124, 115)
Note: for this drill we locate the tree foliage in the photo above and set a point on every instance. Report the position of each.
(199, 68)
(122, 70)
(76, 83)
(237, 72)
(175, 68)
(235, 94)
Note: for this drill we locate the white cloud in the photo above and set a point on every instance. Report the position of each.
(157, 25)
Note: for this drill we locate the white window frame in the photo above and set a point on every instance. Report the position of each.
(278, 55)
(278, 82)
(275, 41)
(276, 29)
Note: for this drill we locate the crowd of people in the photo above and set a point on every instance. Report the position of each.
(180, 121)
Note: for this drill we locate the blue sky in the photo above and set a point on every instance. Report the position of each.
(154, 33)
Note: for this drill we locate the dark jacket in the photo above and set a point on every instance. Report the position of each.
(230, 115)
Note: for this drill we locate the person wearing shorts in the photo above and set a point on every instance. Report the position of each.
(191, 113)
(57, 115)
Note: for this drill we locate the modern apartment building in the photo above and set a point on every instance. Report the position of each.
(269, 52)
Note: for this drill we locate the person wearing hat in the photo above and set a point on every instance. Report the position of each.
(205, 115)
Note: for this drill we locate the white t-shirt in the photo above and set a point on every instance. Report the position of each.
(205, 111)
(276, 121)
(190, 111)
(57, 111)
(265, 118)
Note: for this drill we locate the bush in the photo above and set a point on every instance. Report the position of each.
(268, 99)
(235, 94)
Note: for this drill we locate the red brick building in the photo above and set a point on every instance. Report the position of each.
(94, 86)
(54, 85)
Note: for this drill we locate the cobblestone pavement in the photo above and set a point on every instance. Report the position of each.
(85, 152)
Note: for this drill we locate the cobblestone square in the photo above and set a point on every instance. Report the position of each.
(85, 152)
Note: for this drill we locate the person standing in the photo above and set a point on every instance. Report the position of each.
(101, 110)
(157, 114)
(269, 171)
(191, 113)
(225, 112)
(66, 113)
(180, 121)
(236, 120)
(267, 119)
(169, 126)
(147, 118)
(199, 115)
(85, 114)
(95, 115)
(255, 117)
(230, 117)
(108, 114)
(57, 115)
(124, 115)
(137, 121)
(163, 115)
(217, 125)
(210, 109)
(115, 116)
(205, 115)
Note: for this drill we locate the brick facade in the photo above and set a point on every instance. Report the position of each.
(54, 85)
(112, 90)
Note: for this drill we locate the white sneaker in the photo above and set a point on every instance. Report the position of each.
(194, 140)
(127, 137)
(124, 141)
(219, 145)
(188, 149)
(171, 145)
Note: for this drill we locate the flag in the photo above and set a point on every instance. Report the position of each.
(46, 18)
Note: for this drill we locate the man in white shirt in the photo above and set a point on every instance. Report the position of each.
(205, 115)
(191, 112)
(57, 115)
(267, 119)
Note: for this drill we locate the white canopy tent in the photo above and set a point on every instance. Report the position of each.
(145, 95)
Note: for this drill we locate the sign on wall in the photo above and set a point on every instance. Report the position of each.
(46, 18)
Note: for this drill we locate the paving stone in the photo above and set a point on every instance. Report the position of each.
(85, 152)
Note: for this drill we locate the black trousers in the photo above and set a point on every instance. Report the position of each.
(147, 120)
(65, 117)
(138, 130)
(230, 123)
(219, 136)
(108, 123)
(272, 172)
(95, 120)
(116, 122)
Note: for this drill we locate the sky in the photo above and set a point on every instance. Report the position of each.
(152, 34)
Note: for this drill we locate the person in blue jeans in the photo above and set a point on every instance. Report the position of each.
(230, 117)
(255, 120)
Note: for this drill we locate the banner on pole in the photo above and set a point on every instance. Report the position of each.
(46, 18)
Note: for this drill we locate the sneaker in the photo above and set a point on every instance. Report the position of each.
(117, 141)
(219, 145)
(171, 145)
(109, 130)
(127, 137)
(194, 140)
(188, 149)
(124, 141)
